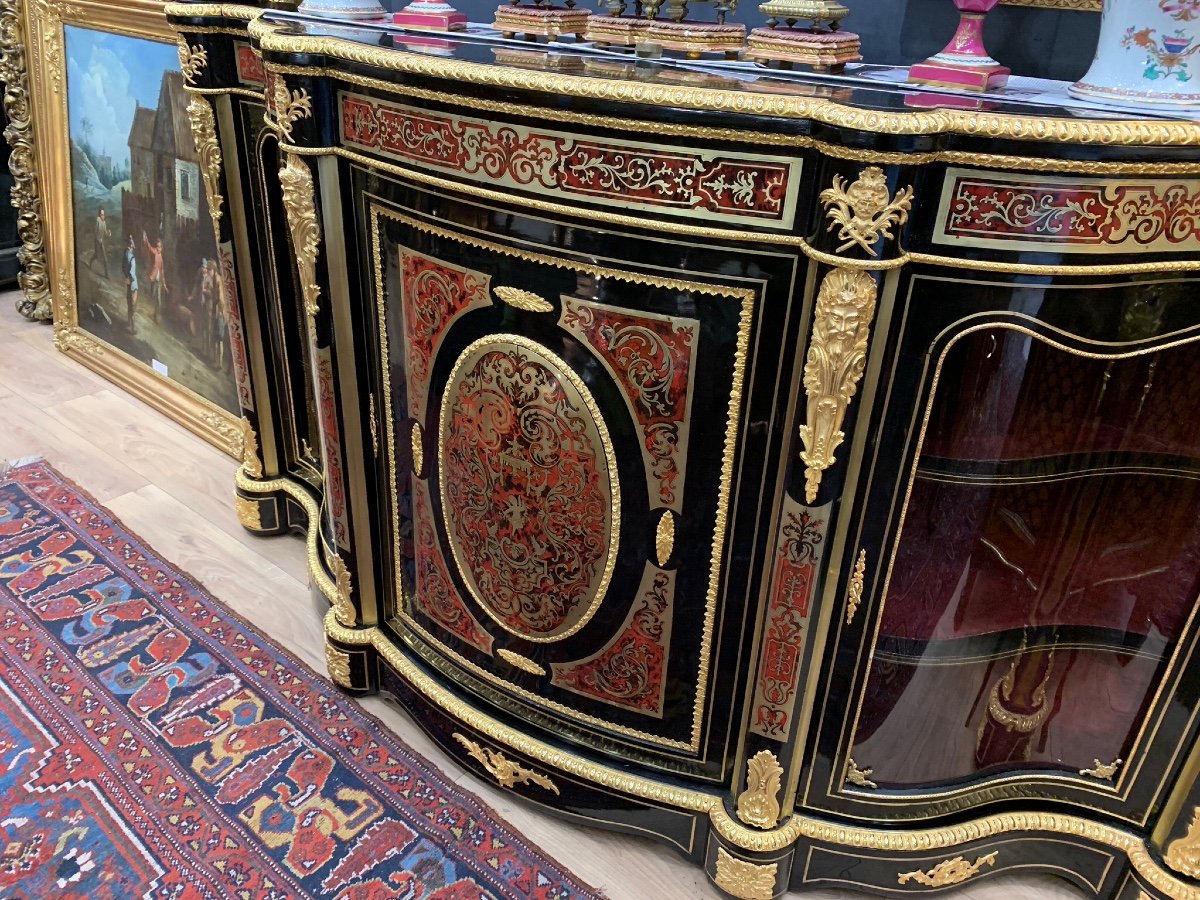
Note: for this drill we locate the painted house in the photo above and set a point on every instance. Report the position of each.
(166, 197)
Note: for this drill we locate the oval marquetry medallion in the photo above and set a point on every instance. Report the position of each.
(529, 487)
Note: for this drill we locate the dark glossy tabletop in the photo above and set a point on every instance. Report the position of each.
(863, 87)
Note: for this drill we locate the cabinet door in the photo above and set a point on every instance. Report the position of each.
(1032, 531)
(272, 283)
(563, 417)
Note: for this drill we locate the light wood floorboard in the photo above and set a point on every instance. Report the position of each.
(176, 492)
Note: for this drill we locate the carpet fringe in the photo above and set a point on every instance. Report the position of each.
(7, 466)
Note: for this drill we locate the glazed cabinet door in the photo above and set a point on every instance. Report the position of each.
(1029, 587)
(562, 438)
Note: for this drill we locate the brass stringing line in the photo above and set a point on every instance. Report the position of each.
(376, 212)
(225, 92)
(981, 265)
(416, 174)
(1057, 345)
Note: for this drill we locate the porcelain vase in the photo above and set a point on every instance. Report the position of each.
(1148, 52)
(343, 9)
(964, 62)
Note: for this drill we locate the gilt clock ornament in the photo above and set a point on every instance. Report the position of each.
(540, 19)
(1146, 54)
(964, 62)
(692, 38)
(821, 46)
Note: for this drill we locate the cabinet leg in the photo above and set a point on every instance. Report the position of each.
(352, 668)
(747, 876)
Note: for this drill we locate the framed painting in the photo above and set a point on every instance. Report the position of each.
(130, 245)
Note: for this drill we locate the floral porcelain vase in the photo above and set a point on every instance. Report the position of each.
(343, 9)
(1148, 53)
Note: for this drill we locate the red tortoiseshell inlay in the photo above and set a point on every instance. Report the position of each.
(250, 68)
(998, 210)
(652, 359)
(331, 437)
(433, 294)
(799, 551)
(631, 671)
(237, 340)
(726, 186)
(436, 595)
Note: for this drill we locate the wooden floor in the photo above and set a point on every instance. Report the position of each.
(177, 492)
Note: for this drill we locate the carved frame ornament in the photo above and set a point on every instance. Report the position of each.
(34, 301)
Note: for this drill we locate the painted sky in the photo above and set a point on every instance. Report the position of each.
(108, 75)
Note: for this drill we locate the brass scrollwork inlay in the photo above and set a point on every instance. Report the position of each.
(758, 804)
(506, 772)
(526, 300)
(204, 132)
(1183, 855)
(865, 210)
(860, 777)
(338, 663)
(520, 662)
(343, 606)
(837, 357)
(250, 461)
(855, 592)
(299, 198)
(192, 61)
(949, 871)
(1104, 771)
(745, 880)
(248, 512)
(290, 108)
(664, 538)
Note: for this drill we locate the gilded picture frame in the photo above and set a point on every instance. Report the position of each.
(128, 244)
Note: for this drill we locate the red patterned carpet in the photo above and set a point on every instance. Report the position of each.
(153, 745)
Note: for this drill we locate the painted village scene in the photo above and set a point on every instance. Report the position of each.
(147, 277)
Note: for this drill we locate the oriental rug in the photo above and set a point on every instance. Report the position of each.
(152, 744)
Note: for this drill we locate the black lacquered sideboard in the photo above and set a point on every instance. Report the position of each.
(792, 470)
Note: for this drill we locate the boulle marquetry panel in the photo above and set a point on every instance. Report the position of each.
(789, 472)
(550, 440)
(1074, 215)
